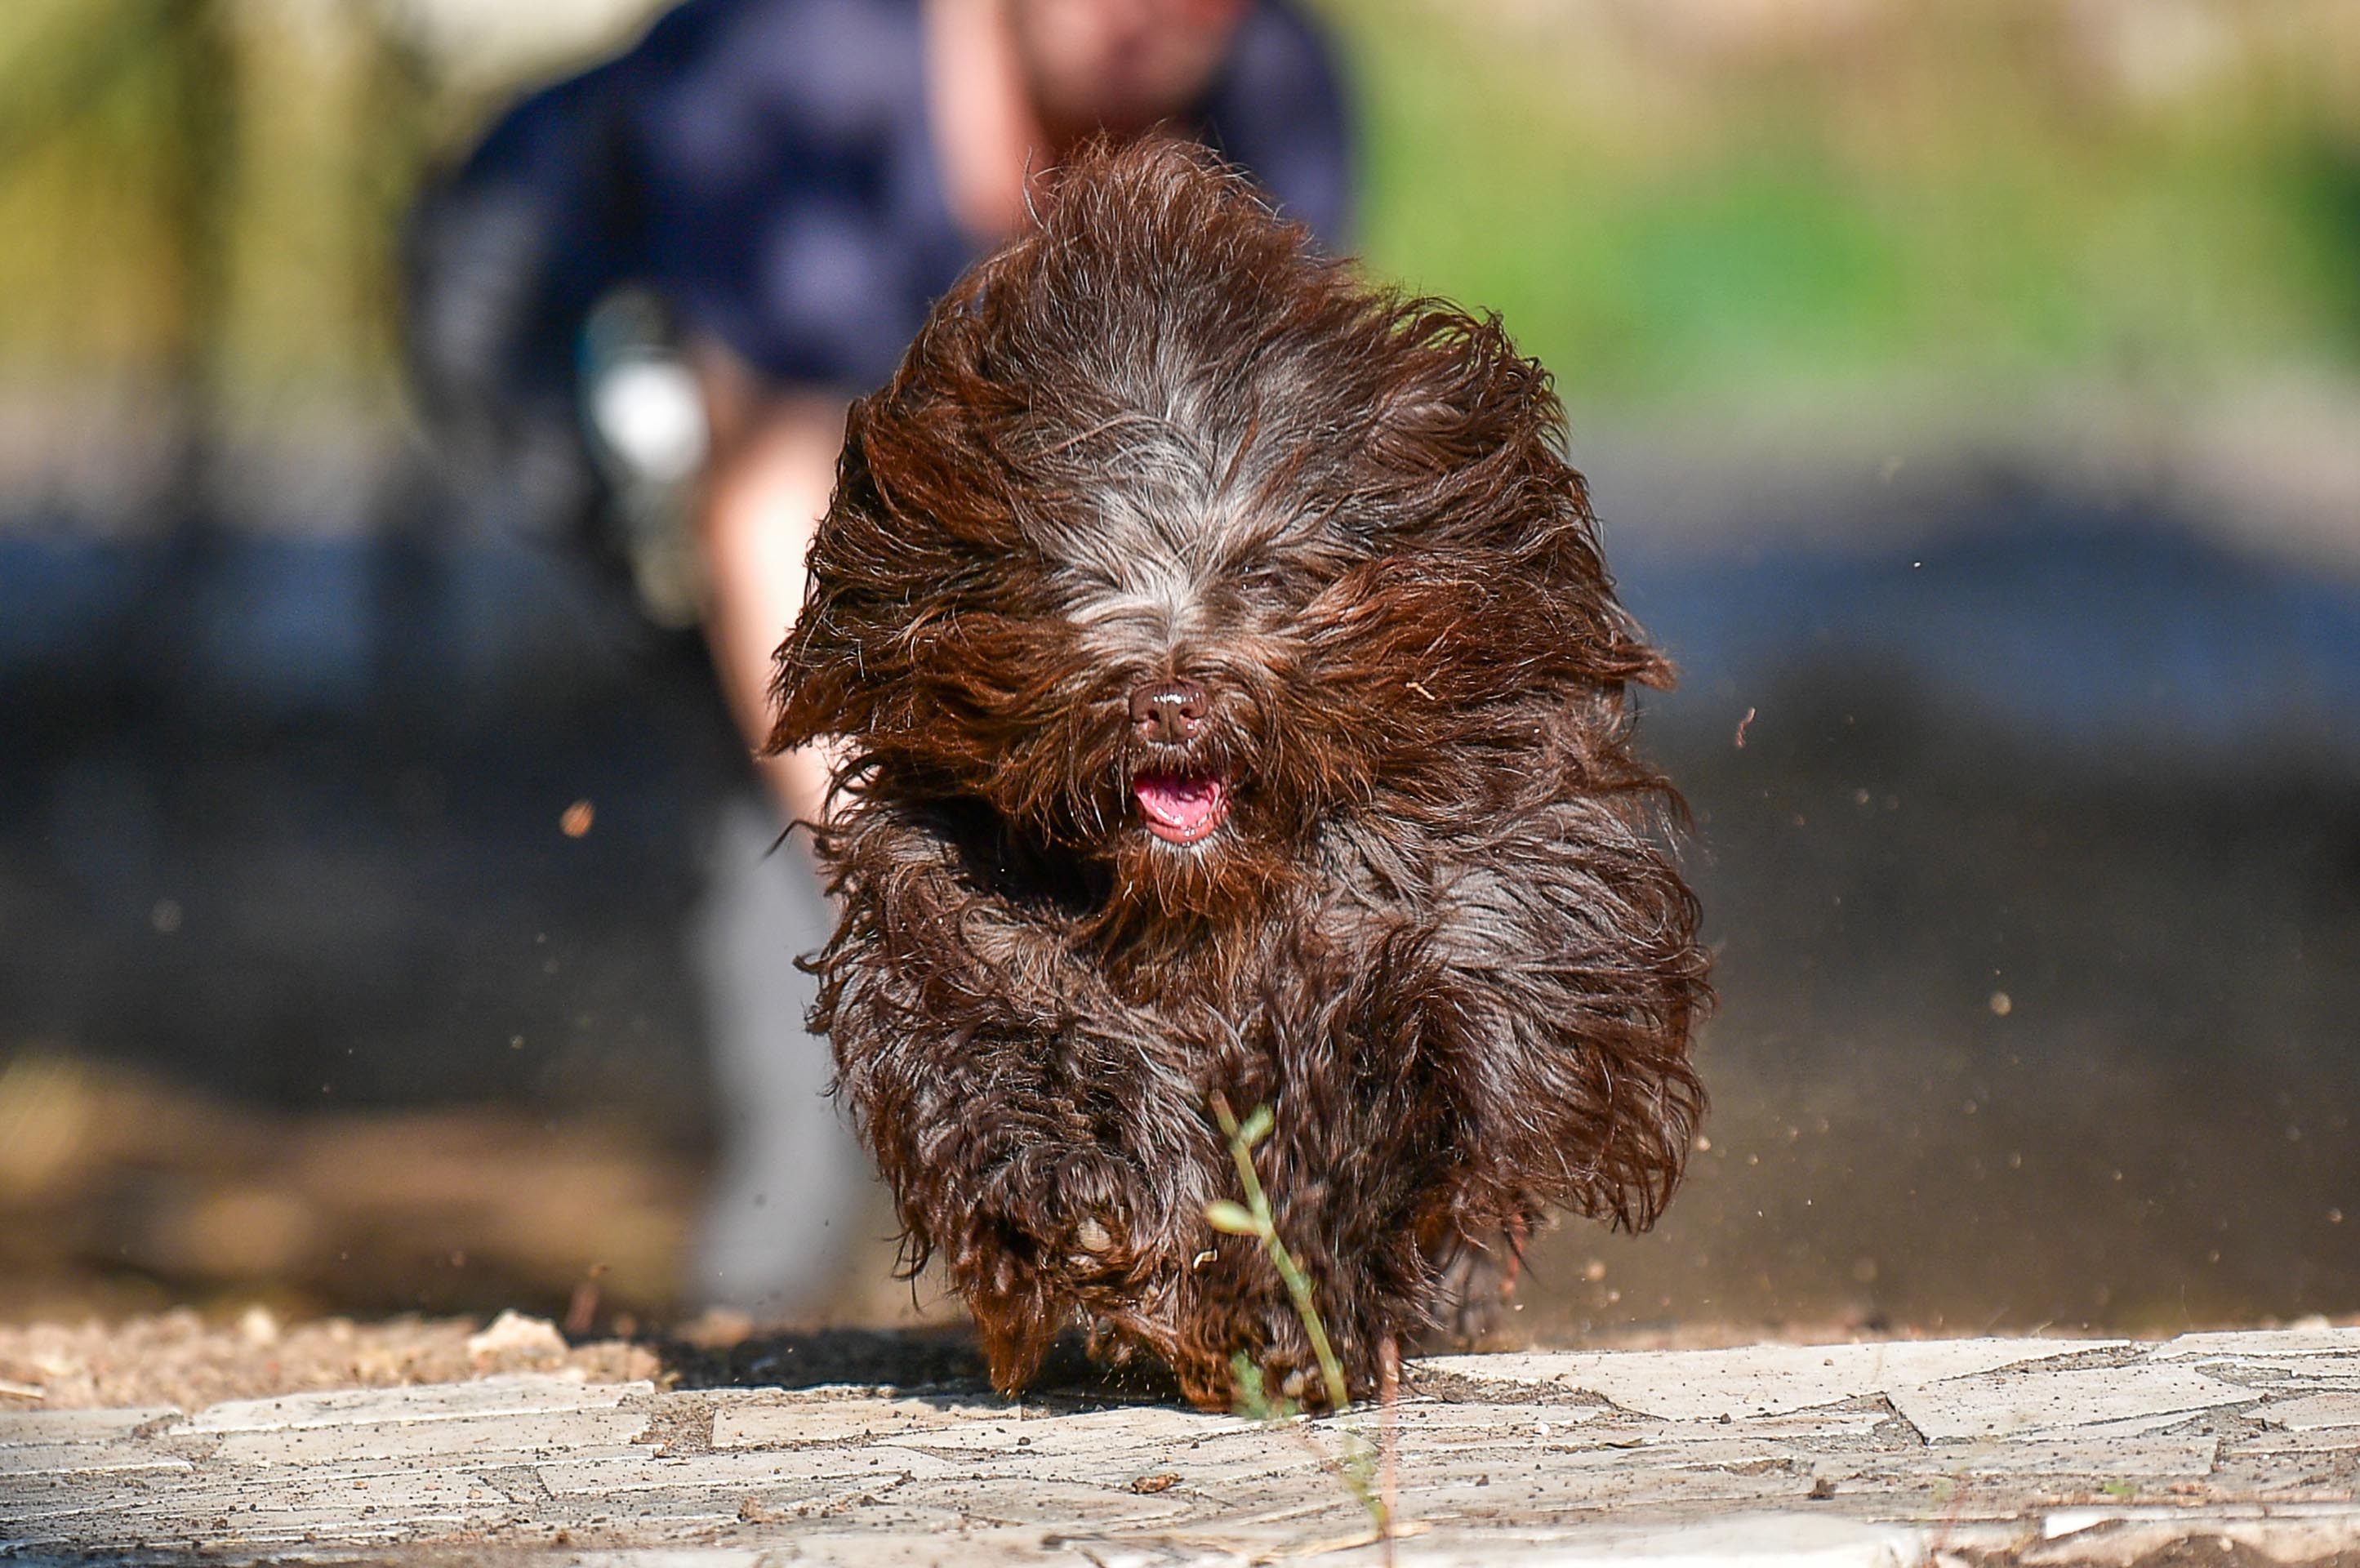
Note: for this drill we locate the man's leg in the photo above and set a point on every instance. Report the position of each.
(793, 1190)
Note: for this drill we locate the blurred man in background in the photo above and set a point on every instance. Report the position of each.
(638, 313)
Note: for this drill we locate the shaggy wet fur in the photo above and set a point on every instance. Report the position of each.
(1235, 701)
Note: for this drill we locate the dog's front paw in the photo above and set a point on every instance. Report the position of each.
(1072, 1203)
(1049, 1227)
(1233, 1338)
(1254, 1357)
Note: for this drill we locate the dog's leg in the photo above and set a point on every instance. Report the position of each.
(1355, 1167)
(995, 1166)
(1028, 1126)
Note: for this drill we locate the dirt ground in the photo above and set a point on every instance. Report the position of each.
(179, 1358)
(186, 1359)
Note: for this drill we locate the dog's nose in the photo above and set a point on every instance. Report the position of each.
(1167, 711)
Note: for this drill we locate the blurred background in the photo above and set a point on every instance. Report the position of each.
(1972, 397)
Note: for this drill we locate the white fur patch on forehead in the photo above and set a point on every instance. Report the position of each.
(1146, 604)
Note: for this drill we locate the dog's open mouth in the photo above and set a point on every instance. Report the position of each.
(1182, 809)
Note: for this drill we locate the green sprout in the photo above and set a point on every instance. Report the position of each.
(1358, 1469)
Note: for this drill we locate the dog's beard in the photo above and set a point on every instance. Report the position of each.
(1195, 842)
(1188, 833)
(1223, 874)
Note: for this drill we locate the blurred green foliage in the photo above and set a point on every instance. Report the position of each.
(204, 191)
(1675, 203)
(1695, 201)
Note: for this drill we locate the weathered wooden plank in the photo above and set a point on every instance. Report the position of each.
(778, 1419)
(516, 1396)
(83, 1459)
(22, 1429)
(514, 1436)
(2033, 1402)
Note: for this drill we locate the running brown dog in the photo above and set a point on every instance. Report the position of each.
(1235, 703)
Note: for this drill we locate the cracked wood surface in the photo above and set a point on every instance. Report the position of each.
(2034, 1451)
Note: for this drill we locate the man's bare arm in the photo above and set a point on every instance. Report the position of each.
(766, 488)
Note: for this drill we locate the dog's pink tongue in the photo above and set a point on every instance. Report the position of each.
(1182, 808)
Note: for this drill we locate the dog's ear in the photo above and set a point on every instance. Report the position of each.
(1465, 452)
(917, 503)
(819, 683)
(1647, 993)
(1650, 1131)
(809, 697)
(1573, 1047)
(1628, 1091)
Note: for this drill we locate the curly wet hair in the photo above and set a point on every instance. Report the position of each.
(1234, 701)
